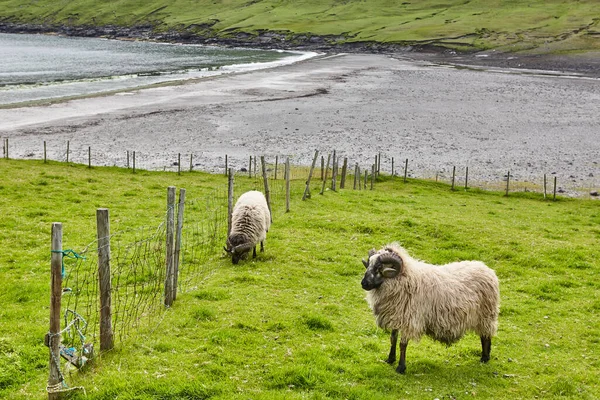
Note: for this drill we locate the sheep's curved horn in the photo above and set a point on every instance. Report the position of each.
(226, 249)
(242, 247)
(365, 263)
(395, 260)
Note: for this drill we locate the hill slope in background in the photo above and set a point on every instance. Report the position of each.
(552, 26)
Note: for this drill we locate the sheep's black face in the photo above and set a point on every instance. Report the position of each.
(373, 277)
(236, 257)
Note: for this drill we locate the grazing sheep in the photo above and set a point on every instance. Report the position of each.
(250, 222)
(442, 302)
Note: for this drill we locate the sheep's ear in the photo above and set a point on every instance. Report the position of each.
(365, 263)
(372, 252)
(389, 272)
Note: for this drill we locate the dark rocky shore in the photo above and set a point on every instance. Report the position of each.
(583, 64)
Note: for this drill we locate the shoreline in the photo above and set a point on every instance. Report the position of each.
(435, 114)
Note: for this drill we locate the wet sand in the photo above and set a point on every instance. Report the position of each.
(438, 116)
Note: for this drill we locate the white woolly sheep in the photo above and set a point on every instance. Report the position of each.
(250, 222)
(442, 302)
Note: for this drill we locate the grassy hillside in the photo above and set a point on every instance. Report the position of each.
(293, 323)
(558, 25)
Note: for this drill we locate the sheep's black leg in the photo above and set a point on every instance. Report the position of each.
(402, 363)
(254, 252)
(262, 247)
(393, 340)
(486, 348)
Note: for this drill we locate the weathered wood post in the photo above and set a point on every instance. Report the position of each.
(554, 197)
(104, 280)
(178, 232)
(45, 160)
(67, 150)
(355, 175)
(226, 164)
(5, 149)
(466, 178)
(89, 156)
(229, 200)
(170, 246)
(507, 182)
(322, 168)
(544, 186)
(178, 163)
(276, 164)
(366, 177)
(250, 168)
(379, 164)
(376, 161)
(52, 339)
(191, 162)
(405, 170)
(254, 172)
(393, 173)
(334, 172)
(453, 176)
(134, 162)
(266, 184)
(127, 159)
(312, 168)
(326, 174)
(344, 171)
(287, 185)
(373, 172)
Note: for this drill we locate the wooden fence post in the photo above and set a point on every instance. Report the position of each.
(544, 186)
(134, 162)
(373, 172)
(467, 178)
(276, 164)
(254, 166)
(344, 171)
(45, 152)
(170, 246)
(326, 173)
(191, 162)
(379, 164)
(52, 339)
(104, 280)
(393, 173)
(453, 176)
(178, 232)
(287, 185)
(334, 172)
(68, 150)
(226, 164)
(127, 159)
(89, 156)
(322, 168)
(405, 170)
(250, 168)
(229, 200)
(355, 175)
(266, 183)
(507, 182)
(312, 168)
(366, 177)
(554, 197)
(5, 148)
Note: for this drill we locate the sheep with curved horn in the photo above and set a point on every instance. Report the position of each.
(444, 302)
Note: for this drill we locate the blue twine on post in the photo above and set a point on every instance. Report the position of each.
(67, 253)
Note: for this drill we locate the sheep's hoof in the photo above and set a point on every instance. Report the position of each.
(390, 360)
(401, 369)
(485, 359)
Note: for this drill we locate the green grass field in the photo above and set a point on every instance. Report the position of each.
(554, 25)
(293, 323)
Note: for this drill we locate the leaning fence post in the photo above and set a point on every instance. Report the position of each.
(507, 182)
(326, 173)
(344, 171)
(453, 176)
(103, 231)
(229, 200)
(287, 185)
(170, 245)
(405, 170)
(52, 339)
(312, 168)
(266, 183)
(176, 255)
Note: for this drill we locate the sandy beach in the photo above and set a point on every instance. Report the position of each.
(492, 120)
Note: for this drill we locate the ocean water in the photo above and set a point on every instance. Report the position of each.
(38, 67)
